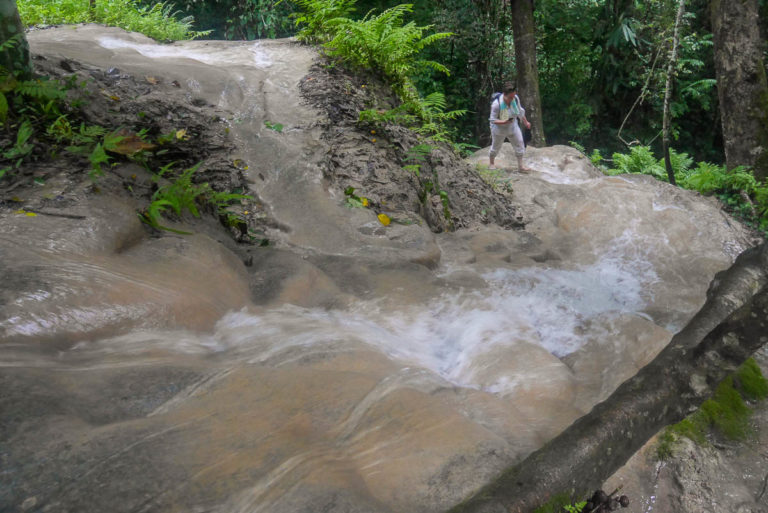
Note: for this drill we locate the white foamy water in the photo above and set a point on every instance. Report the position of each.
(550, 308)
(255, 56)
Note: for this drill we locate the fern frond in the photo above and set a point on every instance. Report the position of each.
(40, 90)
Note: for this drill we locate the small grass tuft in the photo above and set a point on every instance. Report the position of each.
(560, 503)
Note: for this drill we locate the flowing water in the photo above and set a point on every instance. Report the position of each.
(148, 378)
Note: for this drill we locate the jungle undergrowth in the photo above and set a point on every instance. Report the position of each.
(42, 121)
(388, 45)
(158, 21)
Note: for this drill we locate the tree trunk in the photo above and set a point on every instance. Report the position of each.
(671, 74)
(741, 83)
(731, 325)
(14, 58)
(527, 70)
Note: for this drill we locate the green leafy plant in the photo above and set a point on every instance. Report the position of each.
(639, 160)
(158, 21)
(446, 206)
(578, 146)
(416, 156)
(561, 503)
(390, 46)
(252, 19)
(276, 127)
(319, 18)
(431, 110)
(182, 195)
(387, 44)
(22, 148)
(705, 178)
(353, 200)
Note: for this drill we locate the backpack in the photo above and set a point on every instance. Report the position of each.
(497, 96)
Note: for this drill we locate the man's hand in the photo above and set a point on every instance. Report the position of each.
(527, 124)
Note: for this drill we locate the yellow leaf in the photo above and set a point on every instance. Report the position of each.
(114, 98)
(384, 219)
(373, 140)
(30, 214)
(182, 134)
(25, 213)
(364, 201)
(152, 80)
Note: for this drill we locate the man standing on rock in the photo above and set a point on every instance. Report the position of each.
(505, 111)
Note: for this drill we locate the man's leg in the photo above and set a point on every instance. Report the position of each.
(517, 142)
(497, 139)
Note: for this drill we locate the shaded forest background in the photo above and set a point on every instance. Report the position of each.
(596, 58)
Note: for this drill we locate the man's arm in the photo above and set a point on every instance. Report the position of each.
(522, 114)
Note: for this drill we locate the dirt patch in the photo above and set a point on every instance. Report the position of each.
(443, 190)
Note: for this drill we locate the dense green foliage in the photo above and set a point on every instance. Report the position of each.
(726, 412)
(42, 122)
(601, 62)
(239, 19)
(317, 18)
(32, 112)
(158, 21)
(609, 64)
(389, 46)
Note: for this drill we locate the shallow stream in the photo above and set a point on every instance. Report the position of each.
(146, 378)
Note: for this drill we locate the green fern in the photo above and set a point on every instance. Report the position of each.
(640, 160)
(182, 194)
(706, 178)
(387, 44)
(431, 110)
(740, 179)
(318, 18)
(40, 89)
